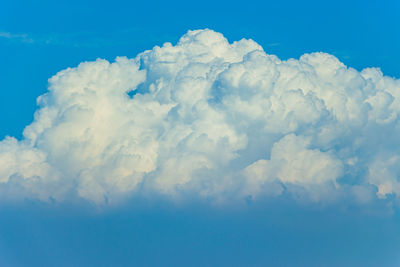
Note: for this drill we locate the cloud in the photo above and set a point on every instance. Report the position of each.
(213, 120)
(21, 37)
(88, 39)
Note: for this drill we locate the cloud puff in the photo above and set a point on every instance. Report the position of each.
(210, 119)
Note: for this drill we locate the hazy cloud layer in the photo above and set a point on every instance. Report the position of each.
(213, 120)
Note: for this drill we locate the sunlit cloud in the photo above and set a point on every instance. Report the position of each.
(207, 118)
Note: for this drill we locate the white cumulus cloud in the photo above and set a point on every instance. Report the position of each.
(211, 119)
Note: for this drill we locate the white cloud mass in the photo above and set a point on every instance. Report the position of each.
(209, 119)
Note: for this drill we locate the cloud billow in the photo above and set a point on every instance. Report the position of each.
(213, 120)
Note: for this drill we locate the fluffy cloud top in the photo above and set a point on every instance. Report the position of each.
(210, 119)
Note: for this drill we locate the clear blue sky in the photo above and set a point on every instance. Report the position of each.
(39, 38)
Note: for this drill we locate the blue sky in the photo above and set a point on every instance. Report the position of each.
(38, 39)
(197, 236)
